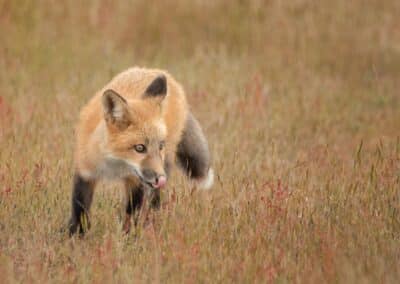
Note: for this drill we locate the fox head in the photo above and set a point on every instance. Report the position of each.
(136, 133)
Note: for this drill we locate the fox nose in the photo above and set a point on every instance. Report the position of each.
(160, 182)
(156, 180)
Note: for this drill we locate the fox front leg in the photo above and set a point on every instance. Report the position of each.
(139, 198)
(82, 195)
(134, 193)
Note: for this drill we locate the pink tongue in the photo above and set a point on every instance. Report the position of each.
(162, 180)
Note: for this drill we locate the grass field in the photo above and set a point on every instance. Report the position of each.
(300, 101)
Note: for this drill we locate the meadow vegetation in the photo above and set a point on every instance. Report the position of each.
(300, 102)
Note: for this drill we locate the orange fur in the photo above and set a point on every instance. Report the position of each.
(149, 118)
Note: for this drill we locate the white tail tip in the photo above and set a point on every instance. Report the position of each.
(207, 182)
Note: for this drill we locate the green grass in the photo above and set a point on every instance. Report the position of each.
(300, 103)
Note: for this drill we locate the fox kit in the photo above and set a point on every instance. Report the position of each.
(133, 130)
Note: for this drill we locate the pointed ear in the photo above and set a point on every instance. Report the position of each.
(115, 109)
(157, 88)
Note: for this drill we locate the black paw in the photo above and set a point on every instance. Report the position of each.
(78, 227)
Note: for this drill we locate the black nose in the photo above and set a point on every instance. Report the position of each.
(149, 174)
(153, 178)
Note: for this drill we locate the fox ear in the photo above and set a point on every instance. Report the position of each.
(157, 88)
(115, 108)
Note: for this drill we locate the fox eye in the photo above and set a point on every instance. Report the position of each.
(140, 148)
(162, 145)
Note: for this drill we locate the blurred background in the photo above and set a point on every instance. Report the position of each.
(299, 99)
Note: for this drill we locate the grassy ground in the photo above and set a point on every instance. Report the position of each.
(299, 99)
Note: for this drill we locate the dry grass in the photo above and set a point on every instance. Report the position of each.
(299, 99)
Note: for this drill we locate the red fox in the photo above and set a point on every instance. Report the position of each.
(133, 130)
